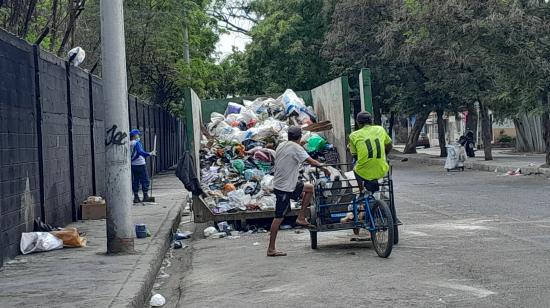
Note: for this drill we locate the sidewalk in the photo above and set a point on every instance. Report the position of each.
(86, 277)
(504, 160)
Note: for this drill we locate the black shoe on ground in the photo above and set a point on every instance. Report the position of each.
(136, 199)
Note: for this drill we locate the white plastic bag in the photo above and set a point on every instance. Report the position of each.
(157, 301)
(267, 203)
(237, 199)
(39, 241)
(291, 102)
(209, 231)
(267, 183)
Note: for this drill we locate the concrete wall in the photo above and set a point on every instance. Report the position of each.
(19, 161)
(52, 139)
(331, 102)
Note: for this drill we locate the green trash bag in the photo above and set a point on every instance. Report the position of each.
(238, 164)
(315, 143)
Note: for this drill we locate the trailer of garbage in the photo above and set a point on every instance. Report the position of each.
(238, 150)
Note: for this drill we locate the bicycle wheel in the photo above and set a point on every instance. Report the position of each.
(382, 236)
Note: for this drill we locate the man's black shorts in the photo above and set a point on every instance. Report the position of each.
(372, 186)
(282, 205)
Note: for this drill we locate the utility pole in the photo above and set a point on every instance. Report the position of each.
(120, 235)
(186, 57)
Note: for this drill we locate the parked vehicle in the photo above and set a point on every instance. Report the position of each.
(423, 141)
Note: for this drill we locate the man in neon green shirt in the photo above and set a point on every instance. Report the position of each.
(369, 145)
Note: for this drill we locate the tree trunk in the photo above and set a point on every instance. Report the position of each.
(441, 134)
(392, 122)
(410, 147)
(546, 121)
(53, 37)
(486, 131)
(30, 12)
(471, 120)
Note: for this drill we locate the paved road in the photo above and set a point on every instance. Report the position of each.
(470, 239)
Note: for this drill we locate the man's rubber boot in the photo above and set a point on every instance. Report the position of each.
(136, 198)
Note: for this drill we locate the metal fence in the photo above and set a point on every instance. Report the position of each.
(52, 139)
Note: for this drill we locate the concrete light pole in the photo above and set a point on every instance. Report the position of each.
(120, 235)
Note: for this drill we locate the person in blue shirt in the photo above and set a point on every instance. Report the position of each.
(139, 166)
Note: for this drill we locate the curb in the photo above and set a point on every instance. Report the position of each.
(139, 284)
(474, 165)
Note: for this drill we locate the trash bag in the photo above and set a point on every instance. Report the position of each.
(39, 241)
(209, 231)
(250, 174)
(315, 143)
(292, 103)
(157, 300)
(267, 183)
(233, 108)
(238, 164)
(267, 203)
(237, 199)
(70, 238)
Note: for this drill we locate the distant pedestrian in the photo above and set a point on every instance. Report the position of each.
(139, 166)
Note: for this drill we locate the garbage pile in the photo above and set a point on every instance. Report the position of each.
(238, 150)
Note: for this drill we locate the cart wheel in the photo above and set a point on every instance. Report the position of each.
(448, 170)
(313, 238)
(395, 233)
(382, 237)
(462, 168)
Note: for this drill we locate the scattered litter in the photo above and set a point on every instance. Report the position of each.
(285, 227)
(142, 231)
(262, 230)
(157, 285)
(179, 245)
(157, 300)
(210, 231)
(39, 241)
(298, 231)
(218, 235)
(405, 159)
(256, 244)
(162, 274)
(70, 237)
(17, 261)
(516, 172)
(182, 235)
(233, 237)
(224, 226)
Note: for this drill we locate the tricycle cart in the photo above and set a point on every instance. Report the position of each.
(338, 205)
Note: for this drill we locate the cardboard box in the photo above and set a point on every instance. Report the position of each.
(93, 210)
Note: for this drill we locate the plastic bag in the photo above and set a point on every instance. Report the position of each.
(292, 103)
(157, 300)
(267, 183)
(39, 241)
(238, 164)
(267, 203)
(315, 143)
(237, 199)
(233, 108)
(250, 174)
(209, 231)
(70, 238)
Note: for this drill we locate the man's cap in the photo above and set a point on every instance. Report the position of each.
(134, 132)
(364, 117)
(294, 132)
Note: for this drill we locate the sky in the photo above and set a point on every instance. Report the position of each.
(227, 41)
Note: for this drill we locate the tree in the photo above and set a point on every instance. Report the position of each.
(285, 47)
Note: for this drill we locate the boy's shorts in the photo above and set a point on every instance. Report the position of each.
(282, 205)
(370, 185)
